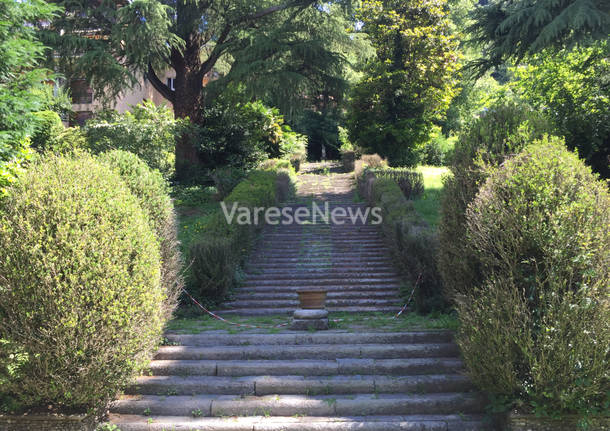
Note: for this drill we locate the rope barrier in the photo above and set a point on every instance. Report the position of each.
(281, 325)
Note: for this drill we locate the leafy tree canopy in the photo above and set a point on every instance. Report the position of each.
(411, 82)
(512, 29)
(21, 81)
(573, 89)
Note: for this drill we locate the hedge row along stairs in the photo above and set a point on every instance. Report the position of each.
(332, 380)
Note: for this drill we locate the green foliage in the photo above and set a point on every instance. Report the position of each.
(47, 127)
(114, 61)
(539, 312)
(215, 257)
(225, 180)
(413, 244)
(149, 131)
(410, 84)
(348, 158)
(510, 29)
(214, 267)
(572, 88)
(70, 140)
(411, 182)
(80, 294)
(322, 130)
(242, 135)
(152, 192)
(438, 151)
(20, 81)
(501, 132)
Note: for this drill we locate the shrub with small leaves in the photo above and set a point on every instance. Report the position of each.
(152, 192)
(500, 133)
(80, 293)
(539, 314)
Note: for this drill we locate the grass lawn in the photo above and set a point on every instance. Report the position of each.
(428, 205)
(194, 205)
(349, 322)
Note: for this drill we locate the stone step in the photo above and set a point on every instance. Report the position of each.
(324, 281)
(294, 303)
(303, 367)
(453, 422)
(321, 254)
(328, 288)
(338, 294)
(291, 405)
(275, 268)
(298, 385)
(340, 273)
(297, 338)
(322, 242)
(289, 310)
(310, 351)
(334, 260)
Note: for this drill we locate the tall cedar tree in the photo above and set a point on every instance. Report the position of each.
(512, 29)
(112, 43)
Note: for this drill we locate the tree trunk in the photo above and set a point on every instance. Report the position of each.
(188, 86)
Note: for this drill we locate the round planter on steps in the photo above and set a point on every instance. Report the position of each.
(312, 299)
(312, 314)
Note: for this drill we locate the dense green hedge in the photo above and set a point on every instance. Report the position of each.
(502, 132)
(413, 243)
(152, 191)
(216, 257)
(81, 305)
(539, 314)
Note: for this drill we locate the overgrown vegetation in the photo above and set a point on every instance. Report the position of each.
(149, 131)
(152, 192)
(503, 131)
(538, 314)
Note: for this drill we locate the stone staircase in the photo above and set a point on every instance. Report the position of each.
(281, 380)
(349, 260)
(303, 381)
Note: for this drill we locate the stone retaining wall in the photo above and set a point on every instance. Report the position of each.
(521, 422)
(46, 423)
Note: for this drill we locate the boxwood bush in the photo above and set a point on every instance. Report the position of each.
(80, 294)
(539, 316)
(152, 191)
(503, 131)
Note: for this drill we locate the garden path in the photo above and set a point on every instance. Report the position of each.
(347, 259)
(282, 380)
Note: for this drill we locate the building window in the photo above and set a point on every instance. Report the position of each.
(170, 83)
(81, 92)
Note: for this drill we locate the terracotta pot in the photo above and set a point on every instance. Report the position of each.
(312, 299)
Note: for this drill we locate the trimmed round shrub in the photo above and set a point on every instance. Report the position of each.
(539, 315)
(502, 132)
(80, 294)
(152, 191)
(47, 126)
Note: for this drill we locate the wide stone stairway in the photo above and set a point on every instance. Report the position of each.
(336, 380)
(347, 259)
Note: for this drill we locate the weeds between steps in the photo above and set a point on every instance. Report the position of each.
(345, 322)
